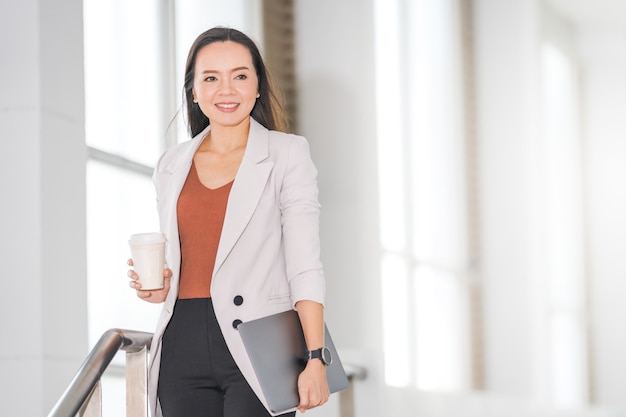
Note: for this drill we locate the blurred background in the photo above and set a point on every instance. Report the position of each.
(472, 174)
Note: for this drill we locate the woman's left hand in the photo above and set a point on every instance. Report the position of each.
(312, 385)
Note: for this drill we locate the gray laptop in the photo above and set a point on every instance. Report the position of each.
(276, 348)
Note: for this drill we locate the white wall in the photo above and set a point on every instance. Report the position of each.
(42, 176)
(506, 36)
(603, 53)
(336, 88)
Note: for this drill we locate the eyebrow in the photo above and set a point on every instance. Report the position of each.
(232, 70)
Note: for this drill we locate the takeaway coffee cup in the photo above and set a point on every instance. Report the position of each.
(148, 253)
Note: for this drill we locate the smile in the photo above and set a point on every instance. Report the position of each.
(227, 105)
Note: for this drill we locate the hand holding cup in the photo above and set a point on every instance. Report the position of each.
(150, 277)
(151, 296)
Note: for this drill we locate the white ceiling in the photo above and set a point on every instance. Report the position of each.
(593, 12)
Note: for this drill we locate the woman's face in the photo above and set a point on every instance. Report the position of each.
(225, 84)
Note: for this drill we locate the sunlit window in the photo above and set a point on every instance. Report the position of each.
(422, 195)
(125, 133)
(563, 230)
(123, 78)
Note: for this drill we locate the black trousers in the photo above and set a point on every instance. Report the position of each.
(198, 376)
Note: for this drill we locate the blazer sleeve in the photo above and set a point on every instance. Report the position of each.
(300, 211)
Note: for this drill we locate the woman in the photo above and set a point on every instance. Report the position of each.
(238, 203)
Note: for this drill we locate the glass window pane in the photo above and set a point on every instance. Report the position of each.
(563, 227)
(434, 97)
(392, 148)
(569, 353)
(441, 340)
(422, 194)
(396, 320)
(119, 203)
(123, 83)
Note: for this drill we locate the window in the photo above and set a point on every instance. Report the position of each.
(563, 249)
(125, 132)
(425, 266)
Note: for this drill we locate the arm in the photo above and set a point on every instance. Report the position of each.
(312, 385)
(300, 220)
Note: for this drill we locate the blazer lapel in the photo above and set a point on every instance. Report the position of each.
(171, 179)
(246, 190)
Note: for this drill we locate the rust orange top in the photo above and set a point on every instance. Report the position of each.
(200, 212)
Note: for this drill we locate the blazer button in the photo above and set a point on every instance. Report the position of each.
(236, 323)
(238, 300)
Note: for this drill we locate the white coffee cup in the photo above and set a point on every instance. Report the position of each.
(148, 253)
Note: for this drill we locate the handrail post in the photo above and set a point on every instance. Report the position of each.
(346, 401)
(93, 405)
(346, 396)
(137, 383)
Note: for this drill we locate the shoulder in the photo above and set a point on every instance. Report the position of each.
(289, 151)
(276, 145)
(286, 140)
(275, 138)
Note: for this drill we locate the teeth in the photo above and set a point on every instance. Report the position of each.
(228, 106)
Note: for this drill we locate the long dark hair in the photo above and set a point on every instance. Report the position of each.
(268, 109)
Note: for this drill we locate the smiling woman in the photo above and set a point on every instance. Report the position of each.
(237, 71)
(225, 85)
(238, 228)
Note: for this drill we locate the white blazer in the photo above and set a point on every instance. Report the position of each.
(269, 251)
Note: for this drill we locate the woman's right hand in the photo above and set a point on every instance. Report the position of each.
(151, 296)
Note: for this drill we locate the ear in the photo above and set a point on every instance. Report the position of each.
(193, 93)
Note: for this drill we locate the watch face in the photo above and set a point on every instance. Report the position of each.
(326, 356)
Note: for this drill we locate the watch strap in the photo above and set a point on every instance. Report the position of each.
(319, 354)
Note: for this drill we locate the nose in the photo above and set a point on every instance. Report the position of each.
(226, 86)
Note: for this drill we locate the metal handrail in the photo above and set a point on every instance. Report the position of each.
(83, 396)
(88, 376)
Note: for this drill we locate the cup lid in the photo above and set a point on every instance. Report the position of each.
(146, 238)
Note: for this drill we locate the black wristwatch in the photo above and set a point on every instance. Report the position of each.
(322, 354)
